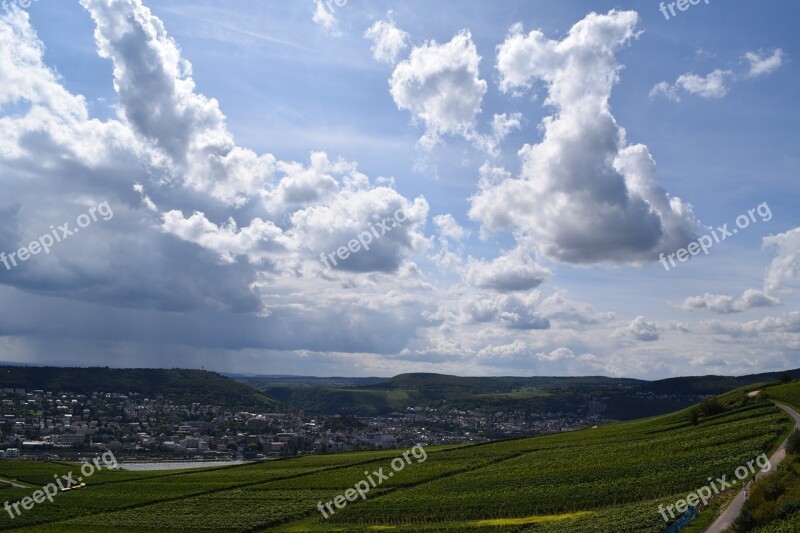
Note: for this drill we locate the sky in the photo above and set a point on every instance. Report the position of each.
(353, 188)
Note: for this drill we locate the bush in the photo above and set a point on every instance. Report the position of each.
(793, 444)
(745, 522)
(787, 509)
(786, 378)
(711, 407)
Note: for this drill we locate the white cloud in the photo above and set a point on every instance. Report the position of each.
(514, 350)
(301, 186)
(504, 124)
(515, 271)
(213, 253)
(559, 307)
(785, 327)
(639, 329)
(325, 228)
(716, 84)
(440, 85)
(146, 200)
(584, 195)
(449, 228)
(325, 19)
(784, 267)
(664, 88)
(713, 85)
(389, 41)
(159, 102)
(491, 176)
(762, 64)
(724, 304)
(228, 241)
(710, 86)
(253, 229)
(557, 354)
(511, 311)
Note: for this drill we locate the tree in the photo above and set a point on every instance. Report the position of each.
(694, 416)
(785, 378)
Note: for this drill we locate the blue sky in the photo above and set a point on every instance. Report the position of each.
(237, 142)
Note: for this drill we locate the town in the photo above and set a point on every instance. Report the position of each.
(39, 424)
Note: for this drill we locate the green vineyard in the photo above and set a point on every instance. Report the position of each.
(608, 478)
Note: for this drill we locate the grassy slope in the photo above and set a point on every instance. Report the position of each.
(788, 394)
(607, 479)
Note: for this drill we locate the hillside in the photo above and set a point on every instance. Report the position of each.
(439, 391)
(183, 386)
(625, 399)
(611, 478)
(712, 384)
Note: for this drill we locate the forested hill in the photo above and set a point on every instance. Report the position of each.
(182, 386)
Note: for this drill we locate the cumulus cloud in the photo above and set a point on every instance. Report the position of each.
(514, 271)
(639, 329)
(762, 63)
(325, 228)
(558, 306)
(159, 102)
(228, 241)
(449, 228)
(505, 123)
(228, 237)
(785, 324)
(513, 312)
(584, 195)
(213, 254)
(527, 356)
(388, 41)
(712, 85)
(784, 267)
(440, 85)
(557, 354)
(301, 186)
(514, 350)
(724, 304)
(781, 270)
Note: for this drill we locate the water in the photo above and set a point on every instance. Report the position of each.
(176, 465)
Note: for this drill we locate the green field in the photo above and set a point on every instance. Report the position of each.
(611, 478)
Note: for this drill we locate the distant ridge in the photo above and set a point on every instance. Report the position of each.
(619, 398)
(183, 386)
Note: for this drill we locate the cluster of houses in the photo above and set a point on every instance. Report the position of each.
(39, 423)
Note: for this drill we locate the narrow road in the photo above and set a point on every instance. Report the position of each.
(731, 513)
(16, 485)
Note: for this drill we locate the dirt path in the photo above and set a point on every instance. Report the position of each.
(731, 513)
(15, 485)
